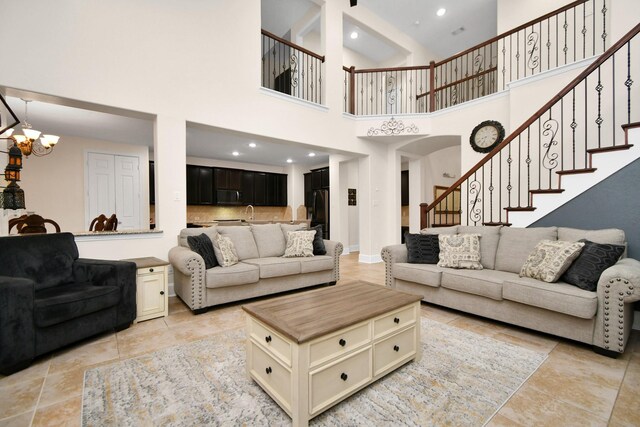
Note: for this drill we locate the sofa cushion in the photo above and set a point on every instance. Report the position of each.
(595, 258)
(212, 232)
(315, 263)
(422, 248)
(269, 239)
(238, 274)
(559, 296)
(68, 301)
(292, 227)
(516, 244)
(440, 230)
(275, 266)
(460, 251)
(425, 274)
(203, 246)
(242, 239)
(225, 251)
(486, 283)
(299, 243)
(613, 236)
(549, 259)
(489, 238)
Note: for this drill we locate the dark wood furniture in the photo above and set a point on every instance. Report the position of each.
(102, 223)
(32, 224)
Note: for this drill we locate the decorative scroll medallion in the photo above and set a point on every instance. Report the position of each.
(475, 212)
(392, 127)
(550, 159)
(532, 41)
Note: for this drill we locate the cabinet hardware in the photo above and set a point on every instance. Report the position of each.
(342, 342)
(151, 270)
(268, 370)
(267, 338)
(396, 320)
(396, 348)
(344, 376)
(161, 292)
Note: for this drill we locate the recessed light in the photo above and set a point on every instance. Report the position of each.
(354, 35)
(235, 153)
(441, 11)
(312, 154)
(252, 144)
(289, 161)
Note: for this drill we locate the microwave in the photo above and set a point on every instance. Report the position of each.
(228, 197)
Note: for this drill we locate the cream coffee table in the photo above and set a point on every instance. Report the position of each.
(310, 350)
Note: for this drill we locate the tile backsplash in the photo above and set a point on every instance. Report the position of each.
(214, 213)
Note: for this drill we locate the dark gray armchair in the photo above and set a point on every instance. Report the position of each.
(50, 298)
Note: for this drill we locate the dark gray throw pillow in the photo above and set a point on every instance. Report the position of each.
(595, 258)
(318, 243)
(203, 246)
(422, 248)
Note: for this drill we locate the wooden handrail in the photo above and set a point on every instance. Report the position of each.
(293, 45)
(448, 85)
(512, 31)
(385, 70)
(568, 88)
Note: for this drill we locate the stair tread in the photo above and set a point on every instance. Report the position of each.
(576, 171)
(612, 148)
(493, 224)
(547, 191)
(631, 125)
(520, 209)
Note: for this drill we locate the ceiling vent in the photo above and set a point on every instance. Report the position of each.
(457, 31)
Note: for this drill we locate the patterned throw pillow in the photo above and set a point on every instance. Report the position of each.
(595, 258)
(459, 251)
(549, 259)
(422, 248)
(299, 244)
(203, 246)
(225, 251)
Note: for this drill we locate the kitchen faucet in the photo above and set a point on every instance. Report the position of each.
(252, 211)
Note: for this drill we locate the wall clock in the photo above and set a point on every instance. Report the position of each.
(486, 136)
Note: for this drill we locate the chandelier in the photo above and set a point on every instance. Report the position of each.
(28, 142)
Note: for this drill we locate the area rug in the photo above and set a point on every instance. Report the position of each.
(462, 379)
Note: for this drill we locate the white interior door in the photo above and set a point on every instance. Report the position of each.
(101, 185)
(113, 184)
(127, 179)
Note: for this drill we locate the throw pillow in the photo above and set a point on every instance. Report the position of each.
(203, 246)
(299, 244)
(422, 248)
(318, 242)
(225, 251)
(459, 251)
(595, 258)
(549, 259)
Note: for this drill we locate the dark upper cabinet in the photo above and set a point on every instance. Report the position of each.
(199, 185)
(308, 190)
(152, 184)
(221, 178)
(260, 189)
(228, 179)
(235, 179)
(404, 188)
(281, 190)
(247, 187)
(324, 174)
(316, 179)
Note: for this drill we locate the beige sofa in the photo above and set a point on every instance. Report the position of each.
(603, 318)
(261, 270)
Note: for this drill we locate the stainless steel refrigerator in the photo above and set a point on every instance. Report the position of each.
(318, 211)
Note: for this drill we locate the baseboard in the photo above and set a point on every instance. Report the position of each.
(636, 321)
(369, 259)
(354, 248)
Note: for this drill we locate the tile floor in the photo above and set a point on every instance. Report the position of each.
(574, 386)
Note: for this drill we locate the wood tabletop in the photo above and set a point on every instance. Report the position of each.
(304, 316)
(146, 262)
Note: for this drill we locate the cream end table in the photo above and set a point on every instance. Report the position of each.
(311, 350)
(152, 288)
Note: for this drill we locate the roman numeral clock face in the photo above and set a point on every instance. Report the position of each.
(486, 136)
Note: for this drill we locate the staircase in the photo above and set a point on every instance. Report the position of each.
(549, 155)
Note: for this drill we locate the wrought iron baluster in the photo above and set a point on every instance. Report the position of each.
(584, 30)
(628, 82)
(586, 121)
(528, 162)
(565, 49)
(504, 63)
(517, 55)
(474, 192)
(491, 188)
(550, 158)
(562, 133)
(519, 167)
(500, 185)
(574, 35)
(599, 119)
(509, 186)
(604, 25)
(539, 154)
(573, 125)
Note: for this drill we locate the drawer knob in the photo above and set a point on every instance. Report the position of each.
(344, 376)
(268, 370)
(396, 320)
(161, 292)
(342, 342)
(151, 270)
(396, 348)
(267, 338)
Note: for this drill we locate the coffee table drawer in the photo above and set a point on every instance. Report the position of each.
(339, 343)
(272, 375)
(330, 384)
(390, 351)
(277, 344)
(394, 321)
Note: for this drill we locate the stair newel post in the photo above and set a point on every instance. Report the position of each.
(432, 86)
(352, 89)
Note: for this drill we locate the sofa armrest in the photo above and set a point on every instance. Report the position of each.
(188, 276)
(111, 273)
(618, 287)
(334, 249)
(17, 331)
(391, 255)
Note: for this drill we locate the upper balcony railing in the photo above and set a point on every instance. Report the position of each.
(568, 34)
(291, 69)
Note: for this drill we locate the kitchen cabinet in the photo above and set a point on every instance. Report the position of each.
(260, 189)
(228, 179)
(404, 188)
(247, 187)
(324, 177)
(152, 184)
(199, 185)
